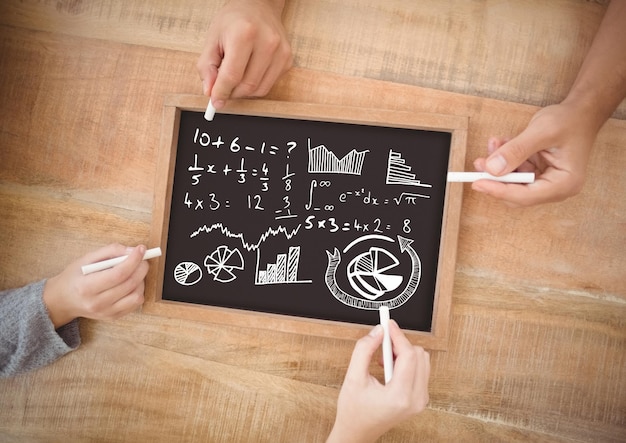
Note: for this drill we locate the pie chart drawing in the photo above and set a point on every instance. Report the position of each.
(187, 273)
(222, 262)
(370, 273)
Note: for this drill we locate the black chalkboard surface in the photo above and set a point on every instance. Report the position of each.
(305, 218)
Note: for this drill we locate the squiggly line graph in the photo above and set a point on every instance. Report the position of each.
(240, 235)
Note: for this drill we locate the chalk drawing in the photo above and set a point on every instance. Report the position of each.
(399, 173)
(283, 271)
(222, 263)
(378, 281)
(187, 273)
(323, 160)
(369, 273)
(240, 235)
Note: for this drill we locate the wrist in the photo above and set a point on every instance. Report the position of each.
(52, 296)
(343, 434)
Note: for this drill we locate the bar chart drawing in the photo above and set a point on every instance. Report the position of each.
(399, 173)
(283, 271)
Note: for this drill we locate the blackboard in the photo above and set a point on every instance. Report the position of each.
(316, 218)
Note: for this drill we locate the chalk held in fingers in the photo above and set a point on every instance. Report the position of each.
(106, 264)
(513, 177)
(210, 112)
(387, 347)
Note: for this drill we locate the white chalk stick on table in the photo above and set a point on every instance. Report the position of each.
(106, 264)
(210, 111)
(387, 349)
(513, 177)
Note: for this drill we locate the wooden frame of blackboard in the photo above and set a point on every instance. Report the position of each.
(436, 339)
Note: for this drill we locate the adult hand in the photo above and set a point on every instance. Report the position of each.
(103, 295)
(246, 51)
(555, 145)
(366, 409)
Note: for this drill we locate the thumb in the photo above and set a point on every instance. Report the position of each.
(512, 154)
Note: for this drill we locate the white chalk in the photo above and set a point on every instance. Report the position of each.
(210, 111)
(513, 177)
(387, 349)
(106, 264)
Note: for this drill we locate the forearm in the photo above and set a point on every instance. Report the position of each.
(28, 339)
(600, 85)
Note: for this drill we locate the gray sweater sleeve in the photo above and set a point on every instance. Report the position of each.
(28, 339)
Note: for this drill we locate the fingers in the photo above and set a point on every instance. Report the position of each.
(109, 251)
(250, 71)
(270, 57)
(118, 290)
(557, 164)
(363, 352)
(208, 64)
(116, 275)
(282, 62)
(509, 156)
(405, 359)
(236, 61)
(550, 187)
(245, 53)
(411, 372)
(129, 302)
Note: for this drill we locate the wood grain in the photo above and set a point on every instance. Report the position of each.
(527, 52)
(538, 328)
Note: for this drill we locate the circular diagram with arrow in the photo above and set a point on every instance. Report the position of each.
(374, 274)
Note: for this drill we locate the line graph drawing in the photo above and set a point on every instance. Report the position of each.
(323, 160)
(222, 263)
(399, 173)
(289, 234)
(283, 271)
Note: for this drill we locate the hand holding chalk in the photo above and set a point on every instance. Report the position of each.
(246, 51)
(99, 296)
(109, 263)
(555, 146)
(366, 409)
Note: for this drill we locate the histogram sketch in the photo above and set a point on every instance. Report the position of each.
(399, 173)
(284, 269)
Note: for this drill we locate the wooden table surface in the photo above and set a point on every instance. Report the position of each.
(537, 346)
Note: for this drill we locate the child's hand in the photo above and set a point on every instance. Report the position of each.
(366, 409)
(107, 294)
(246, 51)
